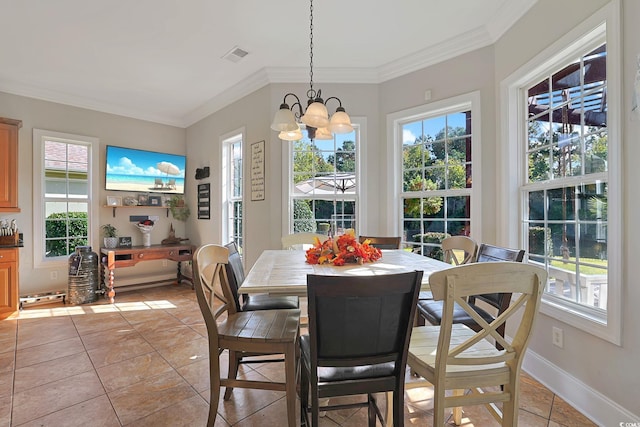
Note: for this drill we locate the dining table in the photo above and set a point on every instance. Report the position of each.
(284, 272)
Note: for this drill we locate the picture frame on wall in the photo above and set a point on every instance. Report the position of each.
(114, 201)
(143, 200)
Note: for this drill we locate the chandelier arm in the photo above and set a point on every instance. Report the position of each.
(340, 108)
(298, 113)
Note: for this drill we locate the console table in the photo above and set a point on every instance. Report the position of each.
(127, 257)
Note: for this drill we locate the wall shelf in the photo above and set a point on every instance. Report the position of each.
(136, 207)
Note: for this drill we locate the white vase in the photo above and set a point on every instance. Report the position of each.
(146, 239)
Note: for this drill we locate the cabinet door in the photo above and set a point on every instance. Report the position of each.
(8, 166)
(9, 298)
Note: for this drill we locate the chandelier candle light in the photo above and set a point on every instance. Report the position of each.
(316, 117)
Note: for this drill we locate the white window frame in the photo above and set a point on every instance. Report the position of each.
(603, 26)
(39, 233)
(468, 101)
(360, 127)
(226, 141)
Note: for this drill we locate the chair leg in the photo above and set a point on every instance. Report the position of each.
(214, 396)
(457, 411)
(290, 380)
(398, 407)
(315, 403)
(234, 360)
(372, 411)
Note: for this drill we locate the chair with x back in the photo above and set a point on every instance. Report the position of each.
(246, 333)
(432, 310)
(359, 330)
(454, 357)
(381, 242)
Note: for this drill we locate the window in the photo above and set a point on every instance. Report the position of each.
(63, 195)
(233, 184)
(436, 191)
(324, 191)
(568, 161)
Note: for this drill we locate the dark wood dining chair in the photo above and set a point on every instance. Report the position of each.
(381, 242)
(432, 310)
(245, 302)
(359, 331)
(242, 333)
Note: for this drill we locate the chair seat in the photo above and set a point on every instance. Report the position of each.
(331, 374)
(269, 302)
(432, 311)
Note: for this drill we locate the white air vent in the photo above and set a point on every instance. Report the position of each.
(235, 54)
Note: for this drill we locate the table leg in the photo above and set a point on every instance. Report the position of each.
(110, 291)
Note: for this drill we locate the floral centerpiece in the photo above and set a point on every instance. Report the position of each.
(343, 250)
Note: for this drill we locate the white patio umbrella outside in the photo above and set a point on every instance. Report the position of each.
(344, 183)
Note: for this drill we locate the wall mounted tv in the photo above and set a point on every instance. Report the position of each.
(130, 169)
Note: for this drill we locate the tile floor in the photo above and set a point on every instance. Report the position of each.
(143, 362)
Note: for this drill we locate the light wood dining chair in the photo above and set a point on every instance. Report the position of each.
(455, 244)
(243, 334)
(381, 242)
(301, 241)
(454, 357)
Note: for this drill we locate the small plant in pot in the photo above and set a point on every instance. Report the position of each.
(110, 235)
(179, 209)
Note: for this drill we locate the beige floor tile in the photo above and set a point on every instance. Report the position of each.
(190, 412)
(172, 337)
(50, 351)
(565, 415)
(133, 345)
(45, 331)
(534, 397)
(101, 322)
(151, 395)
(95, 412)
(46, 399)
(131, 371)
(53, 370)
(113, 336)
(196, 374)
(5, 409)
(190, 352)
(7, 362)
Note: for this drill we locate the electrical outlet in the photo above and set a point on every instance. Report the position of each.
(557, 337)
(53, 275)
(164, 262)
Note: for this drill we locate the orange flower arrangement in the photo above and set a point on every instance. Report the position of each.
(344, 250)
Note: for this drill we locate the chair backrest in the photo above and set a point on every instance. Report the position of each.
(210, 283)
(235, 271)
(299, 241)
(459, 243)
(456, 284)
(381, 242)
(361, 320)
(489, 253)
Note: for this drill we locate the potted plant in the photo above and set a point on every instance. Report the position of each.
(178, 207)
(110, 235)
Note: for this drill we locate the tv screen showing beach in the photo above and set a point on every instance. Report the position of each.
(129, 169)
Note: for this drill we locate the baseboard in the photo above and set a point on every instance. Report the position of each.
(593, 404)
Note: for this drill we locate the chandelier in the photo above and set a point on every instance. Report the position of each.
(316, 118)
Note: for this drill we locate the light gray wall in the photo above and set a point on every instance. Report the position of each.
(607, 368)
(111, 130)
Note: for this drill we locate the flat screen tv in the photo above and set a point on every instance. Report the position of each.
(130, 169)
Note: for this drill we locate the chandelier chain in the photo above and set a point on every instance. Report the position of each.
(311, 91)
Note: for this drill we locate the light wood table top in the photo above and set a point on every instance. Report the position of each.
(284, 272)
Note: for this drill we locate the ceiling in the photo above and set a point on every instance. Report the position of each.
(162, 60)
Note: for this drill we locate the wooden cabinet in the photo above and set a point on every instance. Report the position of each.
(9, 297)
(9, 164)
